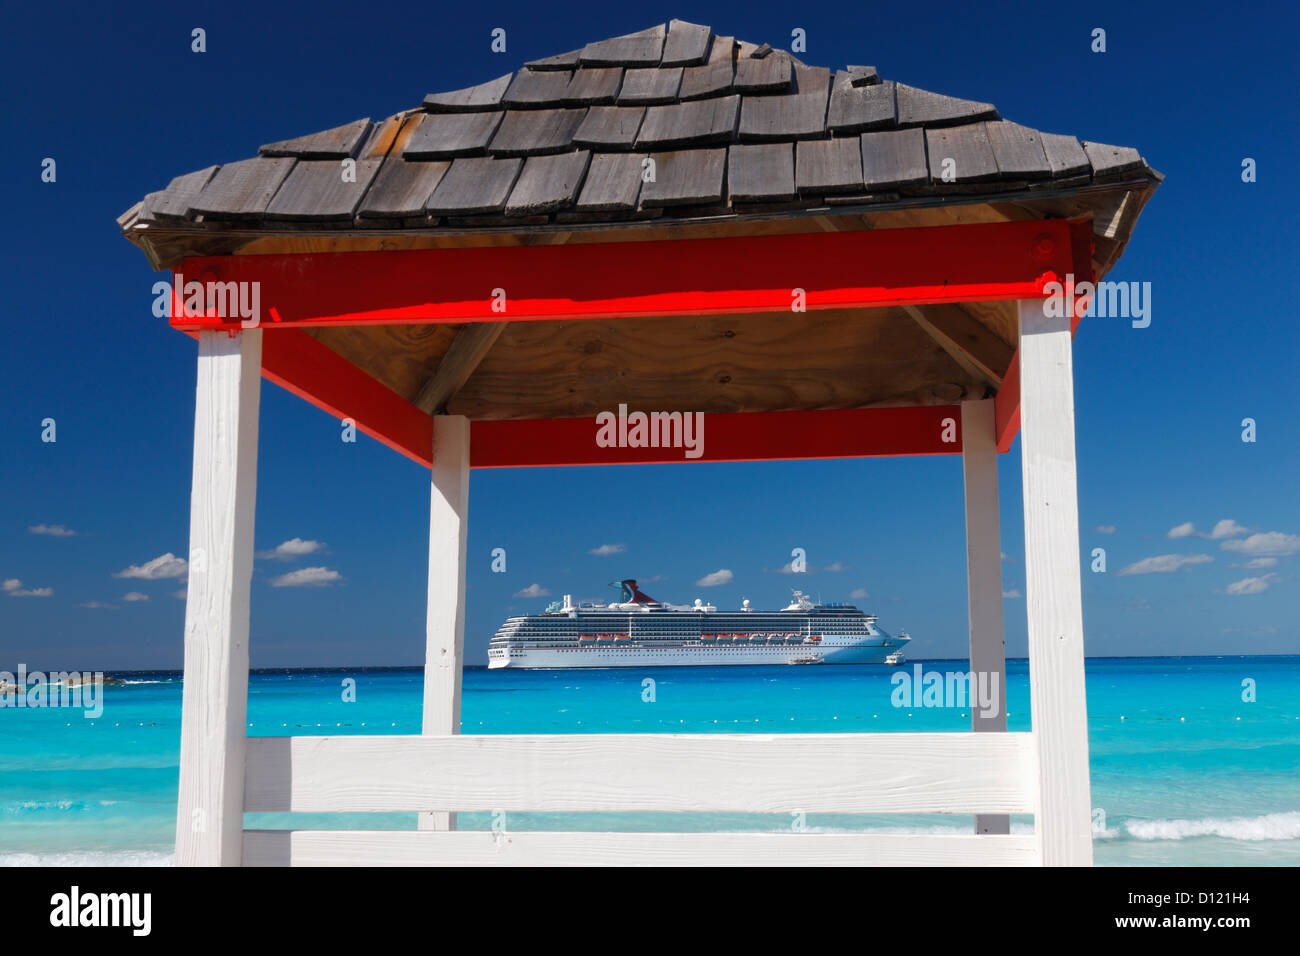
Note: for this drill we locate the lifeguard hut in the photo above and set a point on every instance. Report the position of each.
(826, 263)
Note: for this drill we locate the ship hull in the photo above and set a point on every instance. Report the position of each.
(566, 658)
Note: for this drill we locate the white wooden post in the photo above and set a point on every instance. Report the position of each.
(1058, 708)
(214, 697)
(445, 634)
(979, 459)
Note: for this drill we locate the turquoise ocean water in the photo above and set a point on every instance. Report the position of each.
(1184, 771)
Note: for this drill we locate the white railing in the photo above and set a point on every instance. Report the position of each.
(712, 773)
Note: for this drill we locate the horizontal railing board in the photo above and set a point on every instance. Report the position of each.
(483, 848)
(756, 773)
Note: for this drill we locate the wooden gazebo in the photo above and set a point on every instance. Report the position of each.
(826, 264)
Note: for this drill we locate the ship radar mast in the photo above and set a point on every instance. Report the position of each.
(800, 602)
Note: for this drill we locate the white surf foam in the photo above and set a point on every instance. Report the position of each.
(1270, 826)
(89, 858)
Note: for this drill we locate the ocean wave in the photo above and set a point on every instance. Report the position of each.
(1270, 826)
(24, 806)
(31, 806)
(90, 858)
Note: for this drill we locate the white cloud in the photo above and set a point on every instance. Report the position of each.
(1252, 585)
(135, 596)
(1104, 529)
(181, 595)
(858, 594)
(14, 588)
(306, 577)
(1165, 563)
(1013, 593)
(99, 605)
(53, 530)
(788, 568)
(1256, 563)
(1185, 530)
(164, 566)
(533, 590)
(607, 549)
(293, 548)
(722, 576)
(1227, 528)
(837, 566)
(1265, 544)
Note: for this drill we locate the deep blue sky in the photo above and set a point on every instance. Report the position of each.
(118, 100)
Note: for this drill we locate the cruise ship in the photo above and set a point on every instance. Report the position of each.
(638, 631)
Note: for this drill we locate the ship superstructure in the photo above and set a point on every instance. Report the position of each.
(638, 631)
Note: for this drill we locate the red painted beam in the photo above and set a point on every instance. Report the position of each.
(294, 360)
(881, 267)
(1006, 406)
(747, 436)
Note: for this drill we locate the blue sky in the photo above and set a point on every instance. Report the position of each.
(122, 105)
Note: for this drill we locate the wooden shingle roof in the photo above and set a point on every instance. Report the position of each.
(672, 124)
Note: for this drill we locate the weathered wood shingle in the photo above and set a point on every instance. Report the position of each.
(1018, 151)
(960, 154)
(923, 108)
(810, 79)
(535, 89)
(447, 135)
(643, 48)
(485, 96)
(651, 87)
(762, 172)
(474, 185)
(894, 158)
(829, 165)
(685, 177)
(800, 116)
(772, 74)
(593, 85)
(1065, 157)
(609, 127)
(687, 44)
(715, 77)
(862, 75)
(336, 143)
(1110, 161)
(613, 183)
(531, 132)
(177, 200)
(401, 189)
(697, 123)
(242, 190)
(322, 190)
(854, 109)
(561, 61)
(547, 183)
